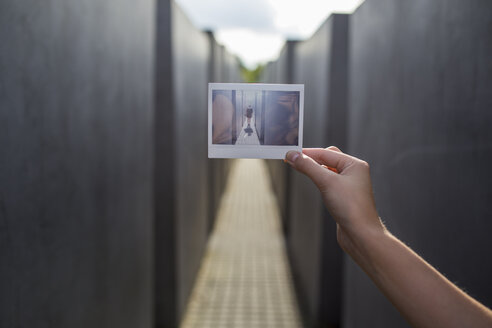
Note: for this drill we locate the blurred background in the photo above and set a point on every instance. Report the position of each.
(111, 215)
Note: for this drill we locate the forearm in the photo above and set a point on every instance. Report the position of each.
(421, 294)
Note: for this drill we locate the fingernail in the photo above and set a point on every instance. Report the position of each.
(291, 156)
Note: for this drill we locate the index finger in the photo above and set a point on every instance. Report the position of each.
(328, 157)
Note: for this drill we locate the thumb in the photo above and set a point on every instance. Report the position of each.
(307, 166)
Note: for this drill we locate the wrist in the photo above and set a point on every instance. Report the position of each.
(360, 240)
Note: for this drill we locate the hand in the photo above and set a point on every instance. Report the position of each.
(347, 194)
(421, 294)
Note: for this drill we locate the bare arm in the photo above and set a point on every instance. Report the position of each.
(421, 294)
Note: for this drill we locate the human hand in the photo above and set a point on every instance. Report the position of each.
(422, 295)
(347, 194)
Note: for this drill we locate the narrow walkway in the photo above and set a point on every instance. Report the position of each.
(244, 280)
(248, 135)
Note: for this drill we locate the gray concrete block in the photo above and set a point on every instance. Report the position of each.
(181, 159)
(320, 63)
(188, 184)
(223, 68)
(420, 98)
(76, 159)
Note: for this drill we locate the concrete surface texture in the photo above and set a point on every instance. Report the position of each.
(188, 185)
(223, 68)
(410, 93)
(190, 77)
(76, 153)
(320, 63)
(420, 99)
(181, 160)
(103, 149)
(280, 71)
(244, 280)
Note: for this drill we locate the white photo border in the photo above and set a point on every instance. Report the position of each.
(253, 151)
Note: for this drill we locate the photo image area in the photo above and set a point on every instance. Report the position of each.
(255, 116)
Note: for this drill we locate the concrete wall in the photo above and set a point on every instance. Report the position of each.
(76, 158)
(421, 94)
(223, 68)
(319, 63)
(281, 71)
(188, 184)
(103, 111)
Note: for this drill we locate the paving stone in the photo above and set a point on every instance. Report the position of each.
(244, 280)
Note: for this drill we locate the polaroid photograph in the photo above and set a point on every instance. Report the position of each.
(247, 120)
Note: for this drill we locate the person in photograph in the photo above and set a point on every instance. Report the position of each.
(249, 114)
(222, 114)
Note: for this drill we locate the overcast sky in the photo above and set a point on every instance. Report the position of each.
(255, 30)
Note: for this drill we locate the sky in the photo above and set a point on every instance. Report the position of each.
(255, 30)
